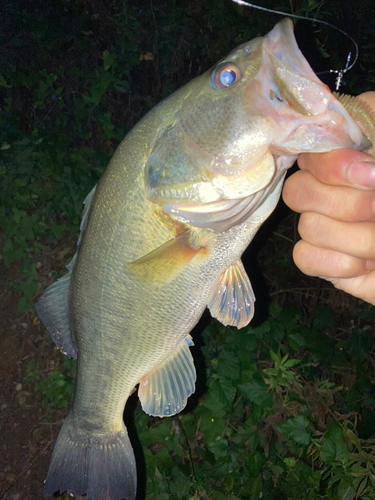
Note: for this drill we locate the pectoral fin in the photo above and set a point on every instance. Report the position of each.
(165, 391)
(166, 262)
(232, 300)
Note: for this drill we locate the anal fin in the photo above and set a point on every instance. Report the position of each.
(165, 391)
(232, 300)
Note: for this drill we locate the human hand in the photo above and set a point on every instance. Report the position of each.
(335, 194)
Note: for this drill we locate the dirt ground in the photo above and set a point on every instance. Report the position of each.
(28, 430)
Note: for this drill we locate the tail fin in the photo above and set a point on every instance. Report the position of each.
(102, 467)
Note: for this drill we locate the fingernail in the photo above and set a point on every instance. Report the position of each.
(362, 174)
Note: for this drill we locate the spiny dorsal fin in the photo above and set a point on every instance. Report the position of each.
(165, 391)
(85, 214)
(232, 300)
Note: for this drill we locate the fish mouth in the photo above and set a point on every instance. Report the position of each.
(298, 114)
(282, 43)
(320, 115)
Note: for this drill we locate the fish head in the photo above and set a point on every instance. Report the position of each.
(264, 95)
(236, 129)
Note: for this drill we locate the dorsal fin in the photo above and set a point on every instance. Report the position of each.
(53, 305)
(85, 214)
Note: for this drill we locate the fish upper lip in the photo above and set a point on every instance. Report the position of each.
(282, 35)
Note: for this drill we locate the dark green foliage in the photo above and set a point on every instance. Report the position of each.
(271, 425)
(57, 387)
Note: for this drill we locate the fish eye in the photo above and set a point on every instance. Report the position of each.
(226, 76)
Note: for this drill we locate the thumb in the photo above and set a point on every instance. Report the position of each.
(343, 167)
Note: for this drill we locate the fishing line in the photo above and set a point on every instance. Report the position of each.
(339, 72)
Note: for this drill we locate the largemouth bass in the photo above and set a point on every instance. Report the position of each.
(162, 237)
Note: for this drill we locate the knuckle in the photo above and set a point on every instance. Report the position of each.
(312, 226)
(367, 241)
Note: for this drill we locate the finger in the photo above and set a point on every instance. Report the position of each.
(362, 287)
(304, 193)
(342, 167)
(315, 261)
(352, 238)
(369, 98)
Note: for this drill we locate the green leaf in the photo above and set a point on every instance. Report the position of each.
(323, 317)
(334, 446)
(219, 447)
(296, 340)
(256, 488)
(275, 310)
(295, 429)
(290, 462)
(255, 463)
(57, 229)
(275, 357)
(11, 254)
(57, 389)
(301, 437)
(216, 398)
(261, 330)
(32, 372)
(257, 391)
(346, 489)
(229, 366)
(108, 59)
(291, 362)
(3, 83)
(229, 389)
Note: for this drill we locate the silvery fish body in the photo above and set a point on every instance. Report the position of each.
(162, 237)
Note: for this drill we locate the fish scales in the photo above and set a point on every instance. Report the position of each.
(162, 237)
